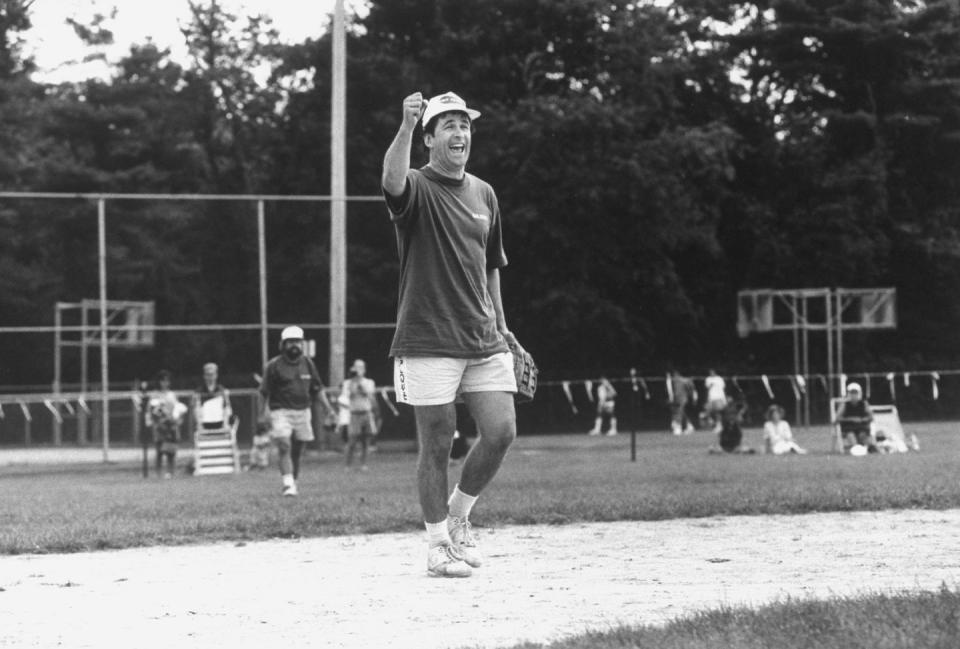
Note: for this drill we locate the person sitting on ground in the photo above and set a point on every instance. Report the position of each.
(854, 418)
(730, 437)
(777, 436)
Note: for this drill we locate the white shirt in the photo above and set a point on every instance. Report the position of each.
(778, 431)
(716, 388)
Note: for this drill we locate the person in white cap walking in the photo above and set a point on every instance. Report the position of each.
(289, 389)
(451, 339)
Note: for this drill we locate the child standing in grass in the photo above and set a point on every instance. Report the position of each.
(260, 448)
(777, 436)
(164, 416)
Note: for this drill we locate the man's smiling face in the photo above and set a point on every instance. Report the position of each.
(449, 143)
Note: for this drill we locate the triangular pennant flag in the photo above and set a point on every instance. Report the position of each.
(669, 389)
(866, 386)
(646, 390)
(843, 385)
(66, 404)
(53, 409)
(936, 385)
(802, 384)
(796, 388)
(824, 383)
(588, 384)
(566, 391)
(766, 384)
(891, 380)
(26, 411)
(906, 379)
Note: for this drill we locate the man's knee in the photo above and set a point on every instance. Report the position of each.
(435, 426)
(500, 432)
(283, 445)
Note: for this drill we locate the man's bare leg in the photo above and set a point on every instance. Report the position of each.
(435, 426)
(496, 419)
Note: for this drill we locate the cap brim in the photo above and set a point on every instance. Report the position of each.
(471, 113)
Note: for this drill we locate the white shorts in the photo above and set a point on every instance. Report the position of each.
(285, 423)
(432, 381)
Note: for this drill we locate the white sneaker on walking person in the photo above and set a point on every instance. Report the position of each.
(445, 561)
(465, 541)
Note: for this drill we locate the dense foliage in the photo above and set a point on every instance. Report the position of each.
(650, 161)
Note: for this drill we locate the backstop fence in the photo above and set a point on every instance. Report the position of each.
(136, 249)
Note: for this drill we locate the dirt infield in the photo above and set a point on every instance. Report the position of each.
(540, 582)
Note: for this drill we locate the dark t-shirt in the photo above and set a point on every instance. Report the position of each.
(855, 416)
(448, 237)
(290, 384)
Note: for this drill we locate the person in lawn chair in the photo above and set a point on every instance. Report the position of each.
(854, 418)
(211, 401)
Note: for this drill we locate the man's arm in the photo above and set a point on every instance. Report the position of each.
(493, 288)
(265, 393)
(396, 162)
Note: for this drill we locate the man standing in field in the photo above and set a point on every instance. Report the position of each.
(451, 337)
(289, 389)
(360, 393)
(681, 393)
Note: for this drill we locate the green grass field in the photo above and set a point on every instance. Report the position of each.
(550, 479)
(906, 621)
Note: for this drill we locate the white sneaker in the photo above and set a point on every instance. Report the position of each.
(593, 432)
(445, 561)
(465, 540)
(290, 490)
(611, 433)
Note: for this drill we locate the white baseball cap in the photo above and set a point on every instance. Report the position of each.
(854, 387)
(446, 103)
(291, 333)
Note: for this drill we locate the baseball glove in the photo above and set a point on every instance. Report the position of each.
(525, 370)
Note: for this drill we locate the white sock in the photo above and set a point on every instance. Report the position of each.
(460, 503)
(288, 480)
(438, 534)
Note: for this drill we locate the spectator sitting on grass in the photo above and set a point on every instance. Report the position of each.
(730, 437)
(777, 436)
